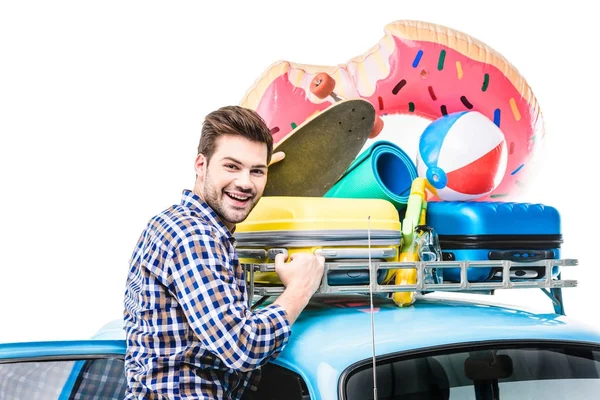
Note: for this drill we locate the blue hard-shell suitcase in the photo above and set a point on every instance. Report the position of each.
(478, 231)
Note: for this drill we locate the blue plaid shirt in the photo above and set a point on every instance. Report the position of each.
(190, 333)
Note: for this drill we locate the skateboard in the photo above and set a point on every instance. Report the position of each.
(318, 151)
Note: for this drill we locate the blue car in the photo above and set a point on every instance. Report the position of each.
(363, 346)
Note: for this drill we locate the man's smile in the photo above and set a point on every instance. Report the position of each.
(239, 198)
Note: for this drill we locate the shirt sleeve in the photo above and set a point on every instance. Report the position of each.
(205, 284)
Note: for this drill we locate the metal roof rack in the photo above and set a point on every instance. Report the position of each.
(550, 285)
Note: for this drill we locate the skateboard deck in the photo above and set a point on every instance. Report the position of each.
(318, 152)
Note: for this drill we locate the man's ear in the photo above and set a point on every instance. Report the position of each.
(200, 165)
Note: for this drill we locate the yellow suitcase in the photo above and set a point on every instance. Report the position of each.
(337, 228)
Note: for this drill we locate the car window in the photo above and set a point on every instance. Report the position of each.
(278, 383)
(92, 379)
(494, 372)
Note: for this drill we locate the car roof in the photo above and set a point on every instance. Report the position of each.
(335, 332)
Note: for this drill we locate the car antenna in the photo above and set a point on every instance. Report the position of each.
(372, 310)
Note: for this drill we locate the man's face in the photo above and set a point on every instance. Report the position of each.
(234, 179)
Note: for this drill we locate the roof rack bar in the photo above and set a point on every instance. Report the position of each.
(361, 264)
(507, 282)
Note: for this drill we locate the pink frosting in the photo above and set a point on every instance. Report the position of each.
(284, 106)
(428, 87)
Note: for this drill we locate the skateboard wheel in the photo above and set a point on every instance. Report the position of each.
(377, 127)
(322, 85)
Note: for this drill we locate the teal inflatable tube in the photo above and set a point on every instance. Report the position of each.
(383, 171)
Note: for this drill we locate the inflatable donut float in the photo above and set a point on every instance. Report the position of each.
(416, 68)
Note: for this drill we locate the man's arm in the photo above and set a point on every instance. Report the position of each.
(207, 289)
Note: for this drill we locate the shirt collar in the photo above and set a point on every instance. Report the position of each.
(193, 201)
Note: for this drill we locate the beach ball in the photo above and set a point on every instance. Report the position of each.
(462, 156)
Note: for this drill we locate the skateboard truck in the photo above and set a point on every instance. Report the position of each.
(322, 86)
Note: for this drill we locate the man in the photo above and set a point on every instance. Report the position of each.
(190, 333)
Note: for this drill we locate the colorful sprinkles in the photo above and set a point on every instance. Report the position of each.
(432, 93)
(417, 59)
(518, 169)
(441, 60)
(380, 102)
(411, 106)
(515, 110)
(274, 130)
(486, 82)
(459, 71)
(294, 125)
(398, 86)
(497, 117)
(444, 110)
(466, 102)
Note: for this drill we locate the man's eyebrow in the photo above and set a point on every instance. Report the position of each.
(240, 163)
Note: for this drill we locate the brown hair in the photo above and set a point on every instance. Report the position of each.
(233, 120)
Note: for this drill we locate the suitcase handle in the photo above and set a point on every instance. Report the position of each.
(261, 254)
(521, 255)
(356, 253)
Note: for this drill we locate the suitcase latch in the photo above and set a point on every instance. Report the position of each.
(274, 251)
(258, 254)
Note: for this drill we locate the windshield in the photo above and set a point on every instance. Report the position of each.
(494, 371)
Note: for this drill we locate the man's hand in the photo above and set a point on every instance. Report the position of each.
(276, 157)
(301, 278)
(302, 273)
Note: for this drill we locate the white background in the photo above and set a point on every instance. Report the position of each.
(101, 105)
